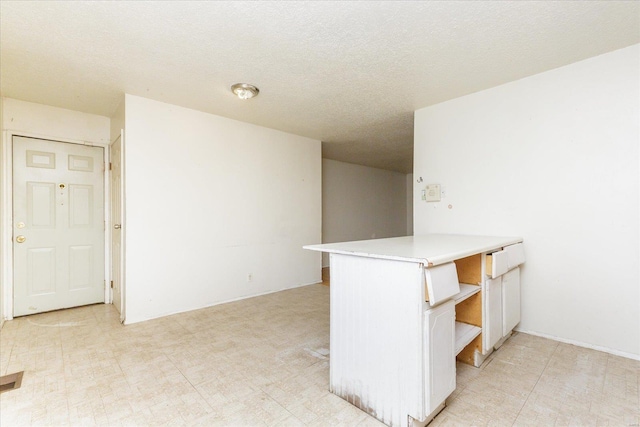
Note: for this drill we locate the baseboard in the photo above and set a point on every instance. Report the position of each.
(584, 345)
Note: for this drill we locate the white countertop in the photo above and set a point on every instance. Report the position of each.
(430, 249)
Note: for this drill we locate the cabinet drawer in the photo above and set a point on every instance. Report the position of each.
(497, 264)
(442, 282)
(515, 255)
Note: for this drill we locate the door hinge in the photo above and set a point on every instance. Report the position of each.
(110, 166)
(112, 284)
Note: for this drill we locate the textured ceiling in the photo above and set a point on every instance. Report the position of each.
(347, 73)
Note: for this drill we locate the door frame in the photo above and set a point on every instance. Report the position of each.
(6, 213)
(123, 228)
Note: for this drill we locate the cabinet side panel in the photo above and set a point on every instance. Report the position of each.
(376, 336)
(470, 310)
(470, 269)
(468, 354)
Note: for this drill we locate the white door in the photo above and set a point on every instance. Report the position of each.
(58, 225)
(116, 221)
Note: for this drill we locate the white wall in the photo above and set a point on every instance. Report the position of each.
(3, 221)
(211, 200)
(552, 158)
(117, 121)
(54, 123)
(409, 190)
(42, 121)
(360, 202)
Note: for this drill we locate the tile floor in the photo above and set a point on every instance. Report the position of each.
(264, 362)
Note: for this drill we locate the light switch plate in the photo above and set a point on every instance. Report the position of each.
(433, 193)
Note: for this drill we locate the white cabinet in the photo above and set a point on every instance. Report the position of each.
(403, 309)
(502, 288)
(391, 351)
(493, 308)
(510, 300)
(440, 359)
(498, 312)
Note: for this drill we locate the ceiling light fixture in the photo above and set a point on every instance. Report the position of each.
(245, 90)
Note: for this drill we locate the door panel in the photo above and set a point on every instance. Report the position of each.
(80, 163)
(41, 271)
(41, 204)
(41, 159)
(81, 263)
(81, 206)
(58, 213)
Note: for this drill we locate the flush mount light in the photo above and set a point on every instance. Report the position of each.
(245, 90)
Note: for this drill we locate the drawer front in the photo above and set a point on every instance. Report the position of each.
(442, 282)
(515, 255)
(499, 264)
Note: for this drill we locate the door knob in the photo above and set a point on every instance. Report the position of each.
(20, 239)
(117, 226)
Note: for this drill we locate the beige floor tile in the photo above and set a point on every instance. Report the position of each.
(265, 362)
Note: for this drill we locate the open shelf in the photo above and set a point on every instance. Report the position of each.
(465, 333)
(465, 292)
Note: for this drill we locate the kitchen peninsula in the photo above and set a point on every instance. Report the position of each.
(403, 309)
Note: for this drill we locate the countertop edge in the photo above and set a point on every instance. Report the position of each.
(430, 261)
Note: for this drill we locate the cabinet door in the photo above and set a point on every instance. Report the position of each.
(440, 358)
(493, 328)
(510, 300)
